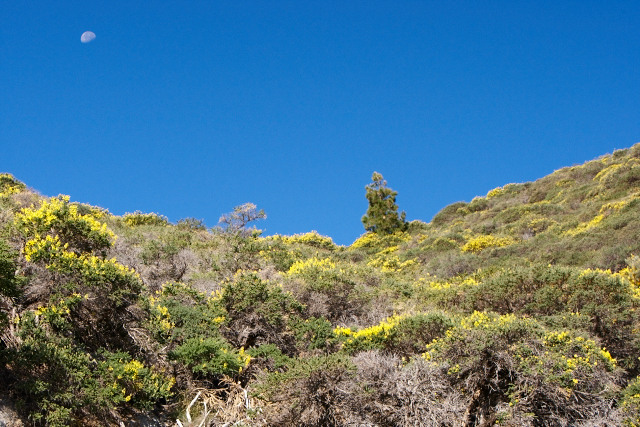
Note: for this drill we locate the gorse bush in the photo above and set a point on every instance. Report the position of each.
(61, 381)
(512, 363)
(9, 283)
(138, 218)
(57, 217)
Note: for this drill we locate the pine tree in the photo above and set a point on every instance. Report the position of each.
(382, 215)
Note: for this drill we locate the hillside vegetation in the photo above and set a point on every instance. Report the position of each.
(517, 308)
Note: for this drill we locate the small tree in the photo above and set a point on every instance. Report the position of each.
(241, 240)
(382, 215)
(236, 222)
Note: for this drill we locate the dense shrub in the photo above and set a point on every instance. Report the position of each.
(9, 283)
(138, 218)
(258, 312)
(509, 365)
(310, 390)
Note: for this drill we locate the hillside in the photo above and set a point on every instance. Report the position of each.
(517, 308)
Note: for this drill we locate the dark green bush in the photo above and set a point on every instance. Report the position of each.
(258, 312)
(9, 283)
(448, 214)
(412, 334)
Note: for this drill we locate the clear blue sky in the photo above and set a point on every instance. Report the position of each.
(191, 108)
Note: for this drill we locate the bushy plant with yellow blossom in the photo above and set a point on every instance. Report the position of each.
(58, 217)
(367, 338)
(10, 185)
(313, 239)
(138, 218)
(130, 380)
(398, 333)
(329, 288)
(64, 381)
(189, 321)
(210, 356)
(515, 359)
(479, 243)
(376, 241)
(388, 261)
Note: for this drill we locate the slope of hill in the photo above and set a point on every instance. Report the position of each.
(517, 308)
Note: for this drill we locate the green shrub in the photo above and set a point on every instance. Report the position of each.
(630, 403)
(412, 334)
(9, 283)
(59, 382)
(314, 333)
(138, 218)
(191, 224)
(270, 356)
(261, 310)
(448, 214)
(512, 361)
(308, 391)
(210, 356)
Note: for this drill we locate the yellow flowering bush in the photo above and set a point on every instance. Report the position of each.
(368, 338)
(495, 192)
(313, 238)
(379, 241)
(92, 270)
(57, 217)
(10, 185)
(129, 379)
(390, 263)
(211, 355)
(585, 226)
(138, 218)
(478, 244)
(312, 266)
(606, 172)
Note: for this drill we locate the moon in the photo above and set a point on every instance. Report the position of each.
(87, 37)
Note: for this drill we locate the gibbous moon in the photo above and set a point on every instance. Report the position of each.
(87, 36)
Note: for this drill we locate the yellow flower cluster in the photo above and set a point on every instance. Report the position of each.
(313, 238)
(433, 284)
(244, 359)
(586, 346)
(311, 265)
(614, 206)
(495, 192)
(375, 240)
(585, 226)
(161, 315)
(39, 248)
(377, 333)
(477, 244)
(9, 185)
(476, 320)
(50, 250)
(133, 377)
(56, 214)
(606, 172)
(390, 264)
(61, 308)
(139, 218)
(538, 225)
